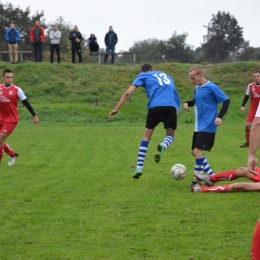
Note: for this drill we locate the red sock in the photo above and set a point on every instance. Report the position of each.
(255, 250)
(8, 150)
(224, 176)
(220, 189)
(1, 152)
(247, 135)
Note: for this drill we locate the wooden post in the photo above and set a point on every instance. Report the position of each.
(21, 57)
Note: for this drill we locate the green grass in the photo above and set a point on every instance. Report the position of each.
(71, 195)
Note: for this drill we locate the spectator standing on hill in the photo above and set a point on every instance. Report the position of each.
(37, 39)
(163, 105)
(207, 96)
(92, 44)
(12, 36)
(110, 42)
(76, 38)
(252, 91)
(55, 36)
(9, 97)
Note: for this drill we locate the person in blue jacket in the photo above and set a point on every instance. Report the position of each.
(12, 36)
(110, 42)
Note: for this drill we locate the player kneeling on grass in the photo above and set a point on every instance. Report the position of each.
(163, 105)
(229, 176)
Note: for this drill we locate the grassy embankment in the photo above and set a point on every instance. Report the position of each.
(70, 194)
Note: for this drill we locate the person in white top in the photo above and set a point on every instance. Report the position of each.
(55, 36)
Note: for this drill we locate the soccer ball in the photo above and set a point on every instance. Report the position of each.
(178, 171)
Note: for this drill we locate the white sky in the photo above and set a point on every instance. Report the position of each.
(137, 20)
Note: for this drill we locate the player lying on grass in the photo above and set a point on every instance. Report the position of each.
(229, 176)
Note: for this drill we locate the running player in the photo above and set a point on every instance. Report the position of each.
(163, 105)
(207, 96)
(9, 97)
(252, 91)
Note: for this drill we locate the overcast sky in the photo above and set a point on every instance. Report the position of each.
(137, 20)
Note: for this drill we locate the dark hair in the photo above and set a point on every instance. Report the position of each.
(146, 67)
(6, 71)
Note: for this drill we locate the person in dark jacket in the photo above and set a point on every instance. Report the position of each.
(92, 44)
(76, 38)
(110, 42)
(12, 36)
(37, 39)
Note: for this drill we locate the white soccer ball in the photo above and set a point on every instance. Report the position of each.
(178, 171)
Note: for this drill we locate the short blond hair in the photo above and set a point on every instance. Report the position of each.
(197, 69)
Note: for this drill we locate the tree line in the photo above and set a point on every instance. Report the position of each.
(223, 42)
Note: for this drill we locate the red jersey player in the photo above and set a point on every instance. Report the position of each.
(253, 91)
(9, 97)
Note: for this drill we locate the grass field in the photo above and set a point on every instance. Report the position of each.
(70, 195)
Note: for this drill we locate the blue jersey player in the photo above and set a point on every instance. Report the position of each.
(207, 96)
(162, 106)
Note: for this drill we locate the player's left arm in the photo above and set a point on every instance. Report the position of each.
(222, 112)
(31, 110)
(22, 97)
(122, 100)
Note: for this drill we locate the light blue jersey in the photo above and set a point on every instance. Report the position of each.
(207, 97)
(159, 88)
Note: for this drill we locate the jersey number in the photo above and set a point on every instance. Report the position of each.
(162, 78)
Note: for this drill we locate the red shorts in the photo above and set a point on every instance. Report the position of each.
(250, 116)
(256, 178)
(255, 250)
(6, 127)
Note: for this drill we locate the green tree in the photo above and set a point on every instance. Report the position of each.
(245, 52)
(257, 53)
(178, 50)
(224, 38)
(153, 50)
(23, 21)
(174, 49)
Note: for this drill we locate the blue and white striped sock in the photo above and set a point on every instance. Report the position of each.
(198, 168)
(206, 167)
(142, 153)
(168, 141)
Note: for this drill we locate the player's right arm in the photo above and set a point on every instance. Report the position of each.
(122, 100)
(246, 97)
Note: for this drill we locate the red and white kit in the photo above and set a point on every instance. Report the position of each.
(9, 117)
(9, 97)
(253, 91)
